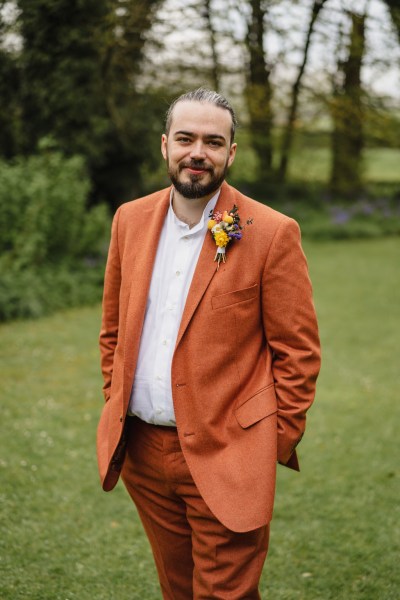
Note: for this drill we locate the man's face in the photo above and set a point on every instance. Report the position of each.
(197, 149)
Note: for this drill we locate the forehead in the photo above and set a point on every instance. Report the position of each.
(201, 118)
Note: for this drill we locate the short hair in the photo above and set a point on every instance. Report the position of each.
(202, 95)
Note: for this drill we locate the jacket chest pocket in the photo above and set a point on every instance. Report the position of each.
(234, 297)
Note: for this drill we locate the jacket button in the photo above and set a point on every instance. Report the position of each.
(121, 419)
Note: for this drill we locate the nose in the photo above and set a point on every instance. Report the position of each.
(197, 151)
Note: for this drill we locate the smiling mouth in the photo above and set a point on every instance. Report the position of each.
(195, 169)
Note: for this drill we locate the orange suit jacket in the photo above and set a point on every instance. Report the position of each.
(245, 362)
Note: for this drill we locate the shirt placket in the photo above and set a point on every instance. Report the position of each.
(168, 330)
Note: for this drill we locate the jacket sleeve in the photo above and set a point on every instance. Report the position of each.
(110, 316)
(292, 334)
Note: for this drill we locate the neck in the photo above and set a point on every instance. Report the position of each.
(187, 210)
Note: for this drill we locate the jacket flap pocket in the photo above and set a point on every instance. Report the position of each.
(234, 297)
(257, 407)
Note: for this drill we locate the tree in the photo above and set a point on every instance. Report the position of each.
(60, 74)
(10, 83)
(259, 90)
(215, 67)
(184, 45)
(292, 115)
(394, 9)
(347, 115)
(79, 66)
(9, 106)
(133, 111)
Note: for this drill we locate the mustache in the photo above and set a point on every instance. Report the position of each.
(195, 164)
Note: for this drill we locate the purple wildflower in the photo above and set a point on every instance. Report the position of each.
(339, 215)
(366, 208)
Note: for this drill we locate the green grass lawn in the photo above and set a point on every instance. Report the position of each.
(311, 161)
(335, 533)
(313, 164)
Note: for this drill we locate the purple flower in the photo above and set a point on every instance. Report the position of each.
(235, 235)
(366, 208)
(339, 215)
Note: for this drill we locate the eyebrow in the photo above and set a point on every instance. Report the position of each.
(213, 136)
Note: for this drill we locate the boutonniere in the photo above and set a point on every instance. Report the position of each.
(225, 227)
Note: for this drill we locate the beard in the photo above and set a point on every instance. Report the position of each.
(194, 189)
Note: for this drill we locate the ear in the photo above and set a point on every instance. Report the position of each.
(164, 141)
(232, 154)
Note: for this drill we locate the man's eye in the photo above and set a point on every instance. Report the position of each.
(185, 140)
(214, 143)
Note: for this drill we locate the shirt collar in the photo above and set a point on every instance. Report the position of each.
(202, 224)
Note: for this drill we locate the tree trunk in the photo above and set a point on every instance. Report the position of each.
(215, 68)
(347, 115)
(259, 91)
(394, 9)
(289, 129)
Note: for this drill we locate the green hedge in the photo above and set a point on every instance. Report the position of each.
(375, 213)
(52, 247)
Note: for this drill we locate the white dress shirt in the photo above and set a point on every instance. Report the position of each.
(177, 255)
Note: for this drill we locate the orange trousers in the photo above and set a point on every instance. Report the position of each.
(196, 556)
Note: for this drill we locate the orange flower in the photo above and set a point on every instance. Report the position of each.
(227, 218)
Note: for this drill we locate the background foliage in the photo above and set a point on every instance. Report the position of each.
(98, 76)
(313, 81)
(51, 245)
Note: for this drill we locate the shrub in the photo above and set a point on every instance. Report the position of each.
(51, 245)
(363, 219)
(374, 214)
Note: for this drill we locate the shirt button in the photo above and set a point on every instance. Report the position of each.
(177, 273)
(159, 411)
(164, 343)
(158, 378)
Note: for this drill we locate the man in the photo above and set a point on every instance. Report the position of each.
(210, 355)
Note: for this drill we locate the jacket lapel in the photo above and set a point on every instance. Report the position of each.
(147, 230)
(205, 270)
(206, 266)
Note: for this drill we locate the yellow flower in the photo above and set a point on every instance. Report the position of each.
(211, 223)
(221, 239)
(227, 218)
